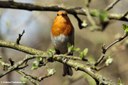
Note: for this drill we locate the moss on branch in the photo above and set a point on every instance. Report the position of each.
(20, 48)
(59, 58)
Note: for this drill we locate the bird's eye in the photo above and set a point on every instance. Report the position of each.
(57, 14)
(64, 14)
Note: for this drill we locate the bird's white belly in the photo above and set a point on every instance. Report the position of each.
(60, 42)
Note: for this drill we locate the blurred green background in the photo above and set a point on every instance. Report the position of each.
(37, 26)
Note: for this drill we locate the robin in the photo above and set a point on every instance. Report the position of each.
(62, 34)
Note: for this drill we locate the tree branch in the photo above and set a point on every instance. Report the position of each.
(19, 47)
(33, 7)
(112, 5)
(106, 48)
(70, 10)
(59, 58)
(19, 38)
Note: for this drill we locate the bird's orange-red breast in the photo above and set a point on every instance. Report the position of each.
(62, 34)
(62, 24)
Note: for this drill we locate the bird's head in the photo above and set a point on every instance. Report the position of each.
(61, 13)
(62, 16)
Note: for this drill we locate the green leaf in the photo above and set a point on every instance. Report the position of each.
(109, 61)
(120, 82)
(23, 80)
(83, 53)
(125, 27)
(35, 65)
(76, 49)
(70, 48)
(52, 51)
(51, 71)
(103, 16)
(84, 23)
(95, 13)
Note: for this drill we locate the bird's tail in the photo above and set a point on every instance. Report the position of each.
(67, 70)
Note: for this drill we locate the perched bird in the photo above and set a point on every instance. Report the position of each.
(62, 34)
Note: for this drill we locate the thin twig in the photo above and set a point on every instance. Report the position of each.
(72, 63)
(32, 7)
(21, 48)
(11, 61)
(89, 17)
(124, 18)
(5, 73)
(79, 21)
(17, 68)
(29, 77)
(19, 38)
(103, 66)
(116, 41)
(88, 4)
(54, 8)
(33, 78)
(72, 57)
(112, 5)
(106, 48)
(84, 68)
